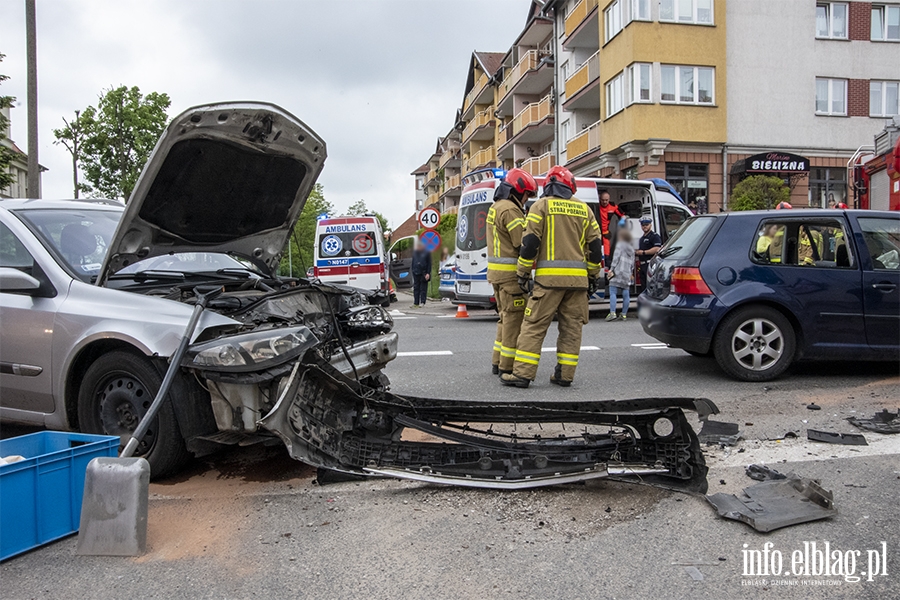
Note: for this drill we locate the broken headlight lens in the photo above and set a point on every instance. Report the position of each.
(251, 351)
(369, 318)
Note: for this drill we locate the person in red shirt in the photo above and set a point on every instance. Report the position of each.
(607, 209)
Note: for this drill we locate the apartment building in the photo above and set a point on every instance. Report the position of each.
(419, 176)
(18, 168)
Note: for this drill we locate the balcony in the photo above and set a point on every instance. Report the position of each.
(580, 81)
(532, 114)
(479, 121)
(578, 14)
(539, 165)
(450, 158)
(432, 199)
(451, 186)
(475, 92)
(584, 143)
(529, 76)
(481, 159)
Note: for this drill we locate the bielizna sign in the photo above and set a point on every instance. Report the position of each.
(777, 162)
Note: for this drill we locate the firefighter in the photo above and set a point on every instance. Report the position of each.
(563, 236)
(505, 225)
(609, 214)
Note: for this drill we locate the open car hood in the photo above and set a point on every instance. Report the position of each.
(229, 177)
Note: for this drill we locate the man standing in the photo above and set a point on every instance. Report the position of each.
(505, 224)
(648, 246)
(421, 272)
(607, 210)
(564, 237)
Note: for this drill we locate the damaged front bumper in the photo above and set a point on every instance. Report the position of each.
(328, 420)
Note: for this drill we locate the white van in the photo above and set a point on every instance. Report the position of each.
(350, 251)
(635, 199)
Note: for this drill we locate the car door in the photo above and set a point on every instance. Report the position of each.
(26, 381)
(670, 219)
(881, 279)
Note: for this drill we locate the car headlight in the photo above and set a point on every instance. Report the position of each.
(253, 351)
(369, 318)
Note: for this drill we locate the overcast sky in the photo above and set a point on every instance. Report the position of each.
(378, 79)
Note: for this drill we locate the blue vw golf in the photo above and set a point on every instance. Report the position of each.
(762, 289)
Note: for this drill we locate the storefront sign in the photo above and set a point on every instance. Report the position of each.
(777, 162)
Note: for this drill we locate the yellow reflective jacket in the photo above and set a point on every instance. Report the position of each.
(565, 229)
(505, 224)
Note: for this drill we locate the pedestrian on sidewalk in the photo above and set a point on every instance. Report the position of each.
(421, 272)
(621, 274)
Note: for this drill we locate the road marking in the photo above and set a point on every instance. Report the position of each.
(654, 344)
(453, 316)
(401, 318)
(427, 353)
(553, 348)
(397, 313)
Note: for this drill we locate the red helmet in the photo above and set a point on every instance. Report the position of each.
(521, 181)
(783, 205)
(563, 176)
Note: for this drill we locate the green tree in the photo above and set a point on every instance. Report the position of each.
(72, 138)
(119, 135)
(759, 192)
(359, 208)
(298, 256)
(6, 154)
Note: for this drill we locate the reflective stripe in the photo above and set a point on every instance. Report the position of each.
(525, 359)
(502, 260)
(497, 345)
(496, 267)
(567, 264)
(507, 352)
(523, 353)
(593, 265)
(551, 244)
(534, 218)
(525, 262)
(562, 272)
(564, 355)
(570, 363)
(515, 223)
(570, 360)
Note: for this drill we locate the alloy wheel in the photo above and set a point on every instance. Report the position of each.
(757, 344)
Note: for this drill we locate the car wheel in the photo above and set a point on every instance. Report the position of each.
(115, 393)
(756, 343)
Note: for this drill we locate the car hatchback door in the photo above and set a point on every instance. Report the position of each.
(881, 280)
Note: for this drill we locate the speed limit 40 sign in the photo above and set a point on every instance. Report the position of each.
(429, 218)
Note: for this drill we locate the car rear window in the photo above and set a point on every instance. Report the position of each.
(688, 238)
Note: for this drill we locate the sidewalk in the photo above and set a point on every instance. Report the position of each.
(433, 307)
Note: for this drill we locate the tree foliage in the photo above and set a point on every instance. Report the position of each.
(72, 138)
(299, 255)
(119, 135)
(6, 154)
(359, 208)
(759, 192)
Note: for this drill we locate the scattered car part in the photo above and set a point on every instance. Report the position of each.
(719, 432)
(763, 473)
(775, 504)
(813, 406)
(884, 421)
(829, 437)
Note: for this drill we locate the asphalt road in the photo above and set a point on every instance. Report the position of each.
(251, 523)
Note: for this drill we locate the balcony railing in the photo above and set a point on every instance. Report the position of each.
(481, 158)
(479, 120)
(578, 14)
(586, 141)
(448, 156)
(528, 62)
(432, 174)
(453, 182)
(475, 91)
(539, 165)
(584, 76)
(533, 113)
(432, 199)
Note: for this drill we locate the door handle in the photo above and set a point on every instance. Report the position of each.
(884, 286)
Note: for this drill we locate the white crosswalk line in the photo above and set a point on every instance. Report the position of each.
(654, 344)
(583, 348)
(426, 353)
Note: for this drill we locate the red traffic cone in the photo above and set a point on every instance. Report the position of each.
(461, 312)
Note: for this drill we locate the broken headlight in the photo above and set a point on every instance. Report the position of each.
(253, 351)
(368, 318)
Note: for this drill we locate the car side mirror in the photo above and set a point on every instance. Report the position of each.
(14, 280)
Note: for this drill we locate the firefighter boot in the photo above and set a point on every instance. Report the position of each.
(509, 379)
(556, 378)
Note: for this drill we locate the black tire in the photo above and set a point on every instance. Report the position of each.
(755, 343)
(115, 393)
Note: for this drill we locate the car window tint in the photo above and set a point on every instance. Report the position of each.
(13, 253)
(672, 218)
(687, 238)
(813, 243)
(882, 238)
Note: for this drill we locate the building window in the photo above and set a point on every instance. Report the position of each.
(615, 95)
(831, 20)
(831, 96)
(639, 87)
(687, 85)
(692, 182)
(614, 19)
(884, 98)
(885, 24)
(564, 132)
(640, 10)
(827, 187)
(698, 12)
(630, 173)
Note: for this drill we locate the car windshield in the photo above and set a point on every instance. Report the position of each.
(80, 238)
(471, 227)
(686, 239)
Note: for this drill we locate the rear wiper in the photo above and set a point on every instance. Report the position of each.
(669, 251)
(150, 274)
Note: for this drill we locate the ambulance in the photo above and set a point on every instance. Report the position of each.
(635, 198)
(350, 251)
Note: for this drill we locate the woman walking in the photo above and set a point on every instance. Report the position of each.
(621, 274)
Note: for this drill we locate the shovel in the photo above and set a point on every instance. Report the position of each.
(117, 490)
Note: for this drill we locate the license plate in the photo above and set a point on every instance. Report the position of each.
(464, 288)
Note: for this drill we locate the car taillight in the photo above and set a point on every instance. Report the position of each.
(687, 280)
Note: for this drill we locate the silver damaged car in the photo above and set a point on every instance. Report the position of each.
(94, 295)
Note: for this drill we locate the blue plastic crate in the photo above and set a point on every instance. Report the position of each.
(40, 497)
